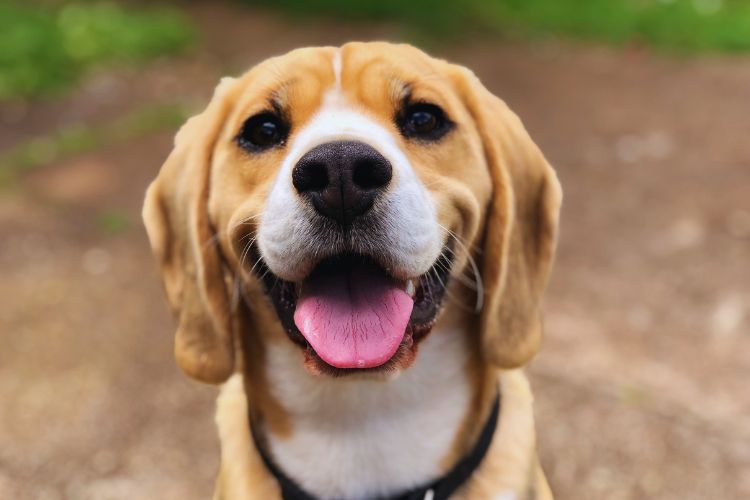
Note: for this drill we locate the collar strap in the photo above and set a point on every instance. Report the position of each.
(440, 489)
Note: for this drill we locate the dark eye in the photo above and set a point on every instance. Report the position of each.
(424, 121)
(262, 131)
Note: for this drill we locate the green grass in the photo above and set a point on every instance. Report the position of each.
(673, 25)
(46, 47)
(112, 221)
(81, 138)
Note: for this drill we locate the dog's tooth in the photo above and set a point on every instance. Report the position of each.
(409, 288)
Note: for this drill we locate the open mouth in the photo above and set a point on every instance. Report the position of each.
(349, 314)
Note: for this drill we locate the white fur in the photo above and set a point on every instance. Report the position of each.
(362, 436)
(337, 68)
(504, 474)
(506, 495)
(359, 437)
(409, 240)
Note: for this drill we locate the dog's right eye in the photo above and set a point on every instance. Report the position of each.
(423, 121)
(262, 131)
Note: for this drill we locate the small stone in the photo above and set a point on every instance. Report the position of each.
(728, 316)
(104, 462)
(738, 223)
(96, 261)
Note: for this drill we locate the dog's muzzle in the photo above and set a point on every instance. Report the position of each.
(342, 280)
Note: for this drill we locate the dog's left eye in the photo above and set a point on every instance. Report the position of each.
(424, 121)
(262, 131)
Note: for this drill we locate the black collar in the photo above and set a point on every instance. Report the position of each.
(440, 489)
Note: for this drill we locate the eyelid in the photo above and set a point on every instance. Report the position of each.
(429, 107)
(424, 104)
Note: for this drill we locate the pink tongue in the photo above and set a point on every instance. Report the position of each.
(353, 316)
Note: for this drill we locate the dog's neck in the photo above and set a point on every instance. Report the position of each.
(355, 437)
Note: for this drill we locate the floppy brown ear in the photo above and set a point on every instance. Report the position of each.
(175, 214)
(520, 229)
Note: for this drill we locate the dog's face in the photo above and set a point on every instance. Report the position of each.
(342, 189)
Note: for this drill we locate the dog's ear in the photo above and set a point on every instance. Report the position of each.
(175, 214)
(520, 228)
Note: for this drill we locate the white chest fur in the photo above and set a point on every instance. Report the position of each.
(358, 438)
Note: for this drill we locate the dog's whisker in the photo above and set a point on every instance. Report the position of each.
(464, 279)
(479, 285)
(246, 221)
(448, 292)
(238, 272)
(220, 233)
(461, 277)
(243, 257)
(248, 235)
(257, 261)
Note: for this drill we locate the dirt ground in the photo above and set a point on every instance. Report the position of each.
(642, 382)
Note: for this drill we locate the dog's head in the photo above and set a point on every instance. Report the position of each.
(340, 190)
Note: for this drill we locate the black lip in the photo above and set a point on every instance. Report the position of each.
(428, 299)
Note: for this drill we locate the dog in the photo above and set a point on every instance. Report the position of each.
(355, 241)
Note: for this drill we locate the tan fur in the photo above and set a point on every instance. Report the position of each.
(491, 186)
(520, 228)
(510, 466)
(176, 217)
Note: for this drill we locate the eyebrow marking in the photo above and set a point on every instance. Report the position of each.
(406, 90)
(274, 102)
(404, 93)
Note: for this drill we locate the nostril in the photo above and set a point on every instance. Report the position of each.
(370, 174)
(317, 177)
(341, 179)
(310, 177)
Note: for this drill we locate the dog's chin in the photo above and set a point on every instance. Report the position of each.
(426, 291)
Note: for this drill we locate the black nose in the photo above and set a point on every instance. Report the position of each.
(342, 178)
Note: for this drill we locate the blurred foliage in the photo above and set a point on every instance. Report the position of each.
(44, 48)
(113, 221)
(677, 25)
(81, 138)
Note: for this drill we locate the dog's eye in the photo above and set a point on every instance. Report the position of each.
(262, 131)
(424, 121)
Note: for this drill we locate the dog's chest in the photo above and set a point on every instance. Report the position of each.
(357, 438)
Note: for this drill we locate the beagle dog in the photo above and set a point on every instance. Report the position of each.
(355, 242)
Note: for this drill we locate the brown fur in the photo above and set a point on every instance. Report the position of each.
(492, 186)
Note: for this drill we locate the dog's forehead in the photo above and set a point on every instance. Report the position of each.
(370, 74)
(383, 59)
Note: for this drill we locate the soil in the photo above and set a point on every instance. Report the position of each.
(642, 382)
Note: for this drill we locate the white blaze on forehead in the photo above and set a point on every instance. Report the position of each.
(334, 98)
(337, 68)
(338, 122)
(411, 238)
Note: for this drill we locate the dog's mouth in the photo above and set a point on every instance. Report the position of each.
(350, 314)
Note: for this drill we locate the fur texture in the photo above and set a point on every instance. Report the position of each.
(483, 192)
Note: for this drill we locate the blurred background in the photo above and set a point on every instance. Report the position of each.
(643, 106)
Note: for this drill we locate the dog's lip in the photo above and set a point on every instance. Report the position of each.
(427, 291)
